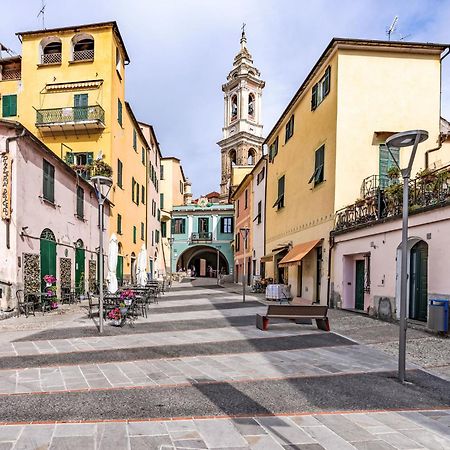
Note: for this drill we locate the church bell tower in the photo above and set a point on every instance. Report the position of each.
(242, 131)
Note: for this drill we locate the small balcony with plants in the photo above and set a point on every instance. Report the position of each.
(201, 236)
(382, 198)
(86, 167)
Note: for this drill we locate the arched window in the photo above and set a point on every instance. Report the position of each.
(48, 235)
(50, 50)
(251, 157)
(120, 248)
(251, 105)
(234, 107)
(232, 155)
(79, 243)
(82, 47)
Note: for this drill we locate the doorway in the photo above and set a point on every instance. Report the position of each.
(79, 267)
(133, 267)
(300, 279)
(47, 255)
(359, 285)
(418, 282)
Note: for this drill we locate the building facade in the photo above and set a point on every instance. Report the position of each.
(330, 142)
(49, 222)
(202, 235)
(242, 131)
(68, 89)
(259, 217)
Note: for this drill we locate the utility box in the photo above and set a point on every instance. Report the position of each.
(438, 315)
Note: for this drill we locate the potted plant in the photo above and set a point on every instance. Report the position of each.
(393, 173)
(127, 296)
(50, 291)
(115, 316)
(101, 168)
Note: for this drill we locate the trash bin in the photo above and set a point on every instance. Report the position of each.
(438, 315)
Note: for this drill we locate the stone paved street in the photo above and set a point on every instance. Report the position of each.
(197, 374)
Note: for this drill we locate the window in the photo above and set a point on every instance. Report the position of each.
(164, 229)
(153, 208)
(161, 172)
(203, 225)
(320, 90)
(289, 128)
(80, 202)
(273, 150)
(280, 199)
(133, 190)
(157, 236)
(119, 224)
(246, 199)
(237, 242)
(142, 231)
(134, 234)
(318, 175)
(143, 155)
(50, 50)
(9, 105)
(119, 173)
(119, 111)
(134, 139)
(179, 226)
(80, 103)
(137, 194)
(161, 201)
(158, 215)
(118, 63)
(143, 195)
(79, 158)
(258, 217)
(237, 208)
(82, 47)
(234, 107)
(260, 175)
(251, 105)
(49, 182)
(226, 225)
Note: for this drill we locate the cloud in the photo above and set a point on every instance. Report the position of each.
(182, 50)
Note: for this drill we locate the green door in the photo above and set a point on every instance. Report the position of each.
(80, 103)
(48, 255)
(418, 288)
(119, 270)
(386, 162)
(79, 268)
(359, 285)
(151, 269)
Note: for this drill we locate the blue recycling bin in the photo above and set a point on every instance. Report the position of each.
(438, 315)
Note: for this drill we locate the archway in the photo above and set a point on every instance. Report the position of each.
(47, 255)
(203, 259)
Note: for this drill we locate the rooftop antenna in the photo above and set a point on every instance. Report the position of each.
(392, 28)
(42, 12)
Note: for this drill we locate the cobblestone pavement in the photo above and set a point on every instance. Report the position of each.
(197, 374)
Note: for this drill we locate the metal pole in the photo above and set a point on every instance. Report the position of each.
(244, 273)
(217, 267)
(100, 269)
(403, 282)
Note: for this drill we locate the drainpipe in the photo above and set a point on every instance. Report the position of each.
(8, 222)
(440, 140)
(331, 245)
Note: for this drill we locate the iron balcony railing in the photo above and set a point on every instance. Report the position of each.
(70, 115)
(11, 74)
(430, 189)
(202, 236)
(51, 58)
(83, 55)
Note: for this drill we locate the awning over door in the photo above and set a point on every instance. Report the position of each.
(270, 256)
(298, 252)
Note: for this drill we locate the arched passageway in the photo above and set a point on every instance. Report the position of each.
(202, 261)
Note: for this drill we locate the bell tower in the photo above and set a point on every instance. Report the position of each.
(242, 131)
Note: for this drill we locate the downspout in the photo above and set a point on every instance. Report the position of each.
(331, 245)
(266, 169)
(440, 110)
(8, 221)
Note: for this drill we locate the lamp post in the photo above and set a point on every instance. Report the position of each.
(244, 234)
(217, 265)
(405, 139)
(102, 187)
(170, 240)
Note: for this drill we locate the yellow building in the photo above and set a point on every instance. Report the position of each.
(329, 141)
(68, 89)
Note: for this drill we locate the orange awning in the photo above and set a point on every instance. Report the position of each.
(298, 252)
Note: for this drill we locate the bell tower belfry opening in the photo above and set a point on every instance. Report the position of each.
(242, 131)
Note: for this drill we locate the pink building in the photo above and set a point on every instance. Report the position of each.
(366, 249)
(49, 218)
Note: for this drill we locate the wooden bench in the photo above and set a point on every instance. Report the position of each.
(295, 312)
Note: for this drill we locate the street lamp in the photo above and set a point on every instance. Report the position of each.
(405, 139)
(218, 264)
(244, 234)
(102, 187)
(170, 240)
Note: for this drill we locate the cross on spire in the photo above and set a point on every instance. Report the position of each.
(243, 37)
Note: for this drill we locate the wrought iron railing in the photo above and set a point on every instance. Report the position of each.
(11, 74)
(431, 188)
(203, 236)
(370, 185)
(83, 55)
(51, 58)
(70, 115)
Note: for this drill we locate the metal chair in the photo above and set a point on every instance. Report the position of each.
(24, 303)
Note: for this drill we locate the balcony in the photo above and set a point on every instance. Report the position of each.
(202, 236)
(428, 190)
(51, 58)
(83, 55)
(10, 74)
(71, 118)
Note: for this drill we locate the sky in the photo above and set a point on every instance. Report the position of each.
(182, 50)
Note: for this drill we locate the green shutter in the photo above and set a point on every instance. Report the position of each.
(143, 195)
(80, 202)
(119, 224)
(9, 105)
(134, 139)
(48, 182)
(119, 112)
(80, 100)
(134, 234)
(314, 97)
(163, 229)
(142, 231)
(326, 81)
(137, 194)
(70, 158)
(161, 201)
(119, 173)
(386, 162)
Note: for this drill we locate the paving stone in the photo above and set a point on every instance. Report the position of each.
(284, 431)
(150, 442)
(428, 439)
(400, 440)
(348, 430)
(180, 425)
(219, 433)
(373, 445)
(75, 429)
(146, 428)
(328, 439)
(263, 442)
(248, 427)
(10, 432)
(73, 443)
(6, 445)
(190, 444)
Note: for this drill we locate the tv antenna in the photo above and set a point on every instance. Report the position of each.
(392, 28)
(42, 13)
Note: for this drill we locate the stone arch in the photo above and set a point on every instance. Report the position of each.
(50, 50)
(251, 157)
(82, 47)
(232, 155)
(192, 255)
(234, 106)
(251, 104)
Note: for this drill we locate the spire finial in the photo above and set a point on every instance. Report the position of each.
(243, 37)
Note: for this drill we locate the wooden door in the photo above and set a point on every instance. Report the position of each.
(359, 285)
(418, 287)
(79, 270)
(48, 256)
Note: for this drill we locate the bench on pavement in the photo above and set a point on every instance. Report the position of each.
(295, 312)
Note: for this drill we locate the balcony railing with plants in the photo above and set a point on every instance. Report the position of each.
(95, 168)
(202, 236)
(378, 201)
(70, 115)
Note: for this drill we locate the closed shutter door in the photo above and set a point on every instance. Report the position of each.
(386, 162)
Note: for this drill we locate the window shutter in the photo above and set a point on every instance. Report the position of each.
(134, 139)
(137, 194)
(5, 106)
(12, 105)
(161, 201)
(80, 202)
(143, 195)
(89, 157)
(326, 81)
(314, 97)
(132, 189)
(222, 225)
(70, 158)
(119, 112)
